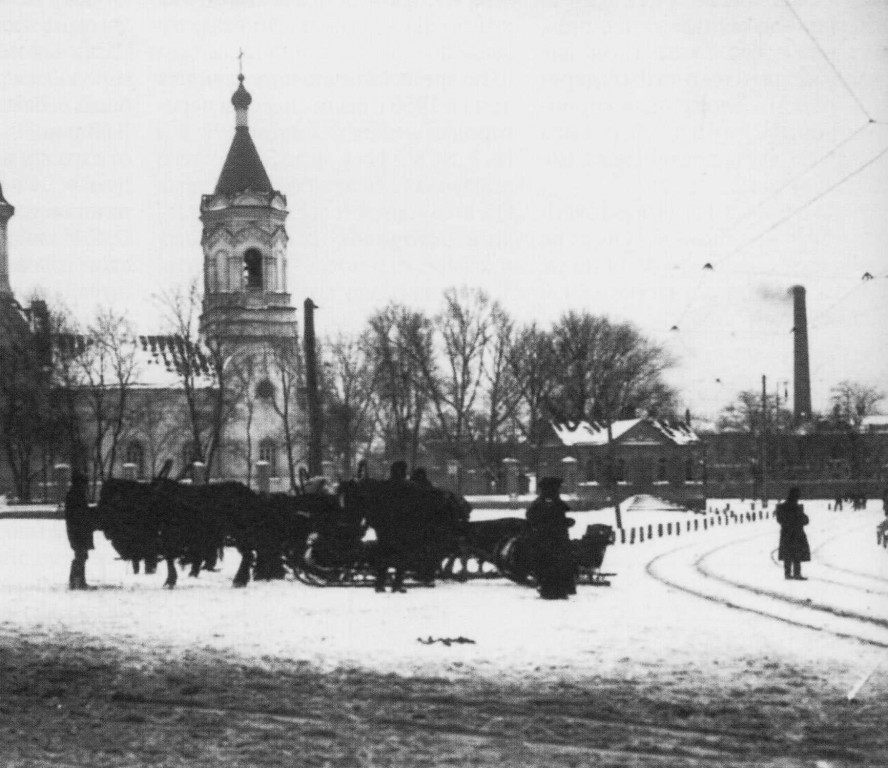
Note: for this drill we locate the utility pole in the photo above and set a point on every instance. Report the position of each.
(313, 396)
(763, 457)
(613, 474)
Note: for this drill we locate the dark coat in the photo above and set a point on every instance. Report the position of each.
(547, 520)
(78, 518)
(552, 561)
(793, 541)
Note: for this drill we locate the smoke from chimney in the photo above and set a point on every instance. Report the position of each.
(802, 373)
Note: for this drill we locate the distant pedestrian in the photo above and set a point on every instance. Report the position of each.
(838, 505)
(882, 528)
(552, 560)
(79, 525)
(794, 549)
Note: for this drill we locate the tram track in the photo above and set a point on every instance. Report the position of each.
(828, 562)
(802, 612)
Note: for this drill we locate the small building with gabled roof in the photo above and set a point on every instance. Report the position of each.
(634, 456)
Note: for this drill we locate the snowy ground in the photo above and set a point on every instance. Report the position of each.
(702, 617)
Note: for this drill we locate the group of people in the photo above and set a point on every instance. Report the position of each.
(857, 502)
(551, 557)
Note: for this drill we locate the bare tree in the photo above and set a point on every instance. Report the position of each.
(531, 360)
(349, 384)
(853, 402)
(107, 369)
(25, 415)
(285, 365)
(243, 380)
(204, 372)
(606, 370)
(69, 344)
(747, 414)
(394, 347)
(501, 395)
(449, 358)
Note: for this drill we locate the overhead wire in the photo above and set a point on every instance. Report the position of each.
(829, 62)
(803, 172)
(746, 244)
(810, 202)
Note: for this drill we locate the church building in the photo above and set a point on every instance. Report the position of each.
(229, 393)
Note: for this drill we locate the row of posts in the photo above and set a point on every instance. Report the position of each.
(643, 532)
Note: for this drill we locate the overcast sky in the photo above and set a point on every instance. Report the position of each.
(561, 155)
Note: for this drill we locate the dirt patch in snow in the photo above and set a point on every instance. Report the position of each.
(72, 700)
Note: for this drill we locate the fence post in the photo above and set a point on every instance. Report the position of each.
(569, 473)
(263, 476)
(198, 473)
(510, 470)
(61, 474)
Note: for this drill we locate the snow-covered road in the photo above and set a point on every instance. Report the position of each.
(842, 601)
(674, 603)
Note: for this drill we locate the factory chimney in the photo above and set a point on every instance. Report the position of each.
(802, 373)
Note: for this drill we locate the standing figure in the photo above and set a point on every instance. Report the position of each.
(552, 562)
(882, 528)
(79, 525)
(794, 549)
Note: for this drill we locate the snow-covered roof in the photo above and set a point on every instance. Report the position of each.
(594, 433)
(572, 433)
(875, 423)
(158, 359)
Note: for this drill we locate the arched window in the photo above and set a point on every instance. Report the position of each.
(135, 454)
(253, 269)
(689, 469)
(661, 469)
(268, 452)
(590, 471)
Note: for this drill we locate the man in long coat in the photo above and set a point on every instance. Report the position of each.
(79, 525)
(550, 543)
(794, 549)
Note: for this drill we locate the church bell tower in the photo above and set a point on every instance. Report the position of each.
(244, 241)
(6, 212)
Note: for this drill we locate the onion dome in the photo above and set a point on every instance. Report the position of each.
(241, 98)
(243, 169)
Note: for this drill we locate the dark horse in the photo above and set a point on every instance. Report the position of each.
(192, 522)
(415, 525)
